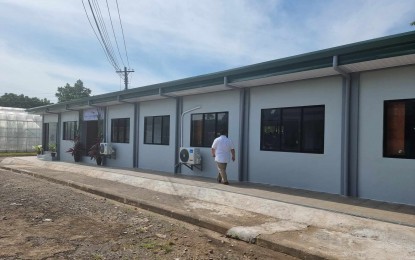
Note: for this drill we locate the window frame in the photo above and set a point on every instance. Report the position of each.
(206, 143)
(164, 119)
(69, 130)
(115, 124)
(406, 129)
(279, 126)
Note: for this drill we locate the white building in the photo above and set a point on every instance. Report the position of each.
(340, 120)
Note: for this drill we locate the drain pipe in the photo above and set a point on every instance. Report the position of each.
(345, 187)
(181, 123)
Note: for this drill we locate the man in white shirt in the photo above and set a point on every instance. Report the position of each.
(222, 148)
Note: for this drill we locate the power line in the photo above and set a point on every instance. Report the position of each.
(122, 30)
(96, 35)
(105, 33)
(115, 37)
(105, 40)
(111, 57)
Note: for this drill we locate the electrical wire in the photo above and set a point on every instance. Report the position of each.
(122, 30)
(101, 33)
(115, 37)
(104, 42)
(96, 35)
(105, 32)
(106, 37)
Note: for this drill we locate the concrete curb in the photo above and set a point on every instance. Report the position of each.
(181, 215)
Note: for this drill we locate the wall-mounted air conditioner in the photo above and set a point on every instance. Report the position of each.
(190, 155)
(105, 148)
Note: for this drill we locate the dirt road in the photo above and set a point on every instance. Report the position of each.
(42, 220)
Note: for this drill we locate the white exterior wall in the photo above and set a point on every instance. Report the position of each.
(157, 157)
(124, 151)
(66, 144)
(50, 119)
(386, 179)
(319, 172)
(226, 101)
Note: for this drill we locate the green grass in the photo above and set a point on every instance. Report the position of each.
(167, 248)
(5, 154)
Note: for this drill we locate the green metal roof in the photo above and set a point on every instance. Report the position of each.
(380, 48)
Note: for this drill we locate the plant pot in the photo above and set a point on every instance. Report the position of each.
(77, 157)
(99, 160)
(53, 154)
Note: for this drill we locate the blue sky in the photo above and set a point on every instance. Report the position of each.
(45, 44)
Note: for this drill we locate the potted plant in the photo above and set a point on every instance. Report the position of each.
(76, 149)
(94, 151)
(38, 149)
(52, 149)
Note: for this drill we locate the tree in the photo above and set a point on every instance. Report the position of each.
(68, 92)
(21, 101)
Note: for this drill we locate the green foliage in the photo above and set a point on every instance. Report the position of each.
(413, 23)
(68, 92)
(76, 149)
(14, 154)
(52, 147)
(38, 148)
(94, 151)
(22, 101)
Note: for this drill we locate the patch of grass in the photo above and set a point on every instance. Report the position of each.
(97, 257)
(149, 245)
(6, 154)
(167, 248)
(142, 230)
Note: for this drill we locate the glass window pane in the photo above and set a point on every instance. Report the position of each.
(148, 131)
(270, 129)
(395, 128)
(126, 130)
(410, 128)
(114, 132)
(121, 130)
(291, 122)
(209, 129)
(166, 130)
(197, 126)
(313, 129)
(222, 123)
(157, 130)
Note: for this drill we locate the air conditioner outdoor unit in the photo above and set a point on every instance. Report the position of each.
(190, 155)
(105, 148)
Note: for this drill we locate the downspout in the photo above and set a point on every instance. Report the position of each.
(345, 144)
(136, 135)
(181, 123)
(58, 137)
(179, 108)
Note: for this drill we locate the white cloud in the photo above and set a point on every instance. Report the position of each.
(230, 31)
(45, 44)
(34, 77)
(342, 22)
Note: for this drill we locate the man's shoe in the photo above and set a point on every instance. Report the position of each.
(219, 179)
(226, 183)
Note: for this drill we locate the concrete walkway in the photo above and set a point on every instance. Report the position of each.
(304, 224)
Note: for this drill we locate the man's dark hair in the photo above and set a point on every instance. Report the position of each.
(222, 131)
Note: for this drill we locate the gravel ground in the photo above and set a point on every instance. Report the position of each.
(42, 220)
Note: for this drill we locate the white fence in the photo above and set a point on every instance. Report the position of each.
(19, 131)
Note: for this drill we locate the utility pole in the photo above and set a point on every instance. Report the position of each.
(125, 71)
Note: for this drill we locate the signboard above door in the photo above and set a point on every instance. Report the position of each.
(93, 114)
